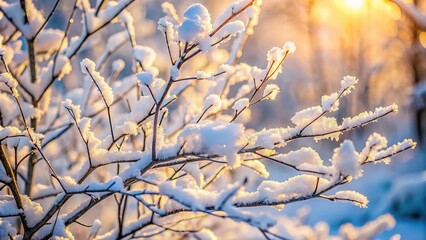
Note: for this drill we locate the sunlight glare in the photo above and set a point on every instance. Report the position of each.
(354, 4)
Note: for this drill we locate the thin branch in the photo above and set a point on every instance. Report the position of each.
(264, 234)
(86, 141)
(215, 176)
(290, 165)
(24, 9)
(233, 15)
(106, 104)
(47, 19)
(196, 78)
(168, 48)
(13, 185)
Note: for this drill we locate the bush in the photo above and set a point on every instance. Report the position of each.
(162, 153)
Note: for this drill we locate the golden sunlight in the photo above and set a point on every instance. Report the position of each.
(354, 4)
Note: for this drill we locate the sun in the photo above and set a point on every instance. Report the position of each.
(354, 4)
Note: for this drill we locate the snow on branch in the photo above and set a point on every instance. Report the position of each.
(28, 24)
(136, 146)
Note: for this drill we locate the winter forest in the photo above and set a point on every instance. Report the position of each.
(225, 119)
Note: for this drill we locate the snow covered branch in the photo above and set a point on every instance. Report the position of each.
(166, 149)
